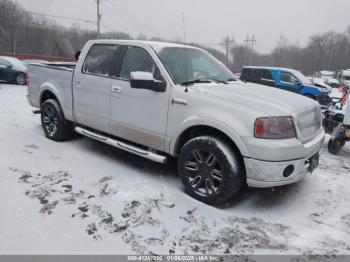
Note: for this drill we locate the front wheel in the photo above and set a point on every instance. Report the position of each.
(55, 126)
(210, 170)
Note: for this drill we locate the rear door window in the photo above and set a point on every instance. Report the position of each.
(100, 59)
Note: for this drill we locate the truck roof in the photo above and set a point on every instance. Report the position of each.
(154, 44)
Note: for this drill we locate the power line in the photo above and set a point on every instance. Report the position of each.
(64, 17)
(36, 26)
(130, 18)
(249, 43)
(135, 17)
(126, 19)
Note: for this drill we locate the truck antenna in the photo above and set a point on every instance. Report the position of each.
(184, 29)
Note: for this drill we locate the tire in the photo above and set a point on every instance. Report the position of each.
(20, 79)
(335, 145)
(55, 126)
(210, 170)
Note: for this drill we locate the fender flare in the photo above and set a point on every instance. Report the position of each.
(49, 87)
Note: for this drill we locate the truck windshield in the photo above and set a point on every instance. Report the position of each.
(200, 66)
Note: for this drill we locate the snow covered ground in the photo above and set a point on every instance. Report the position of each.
(83, 197)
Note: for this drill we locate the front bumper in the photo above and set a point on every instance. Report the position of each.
(271, 173)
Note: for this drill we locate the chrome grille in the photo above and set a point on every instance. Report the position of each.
(309, 123)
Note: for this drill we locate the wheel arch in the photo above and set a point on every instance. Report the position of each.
(45, 95)
(205, 129)
(49, 92)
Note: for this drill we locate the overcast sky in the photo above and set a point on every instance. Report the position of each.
(207, 21)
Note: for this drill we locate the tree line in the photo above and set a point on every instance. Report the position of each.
(325, 51)
(23, 32)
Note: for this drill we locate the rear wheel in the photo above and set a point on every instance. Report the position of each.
(20, 79)
(55, 126)
(210, 170)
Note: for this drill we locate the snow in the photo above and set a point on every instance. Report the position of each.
(84, 197)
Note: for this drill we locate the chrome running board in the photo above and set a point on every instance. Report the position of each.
(122, 145)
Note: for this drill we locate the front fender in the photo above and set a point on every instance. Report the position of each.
(197, 121)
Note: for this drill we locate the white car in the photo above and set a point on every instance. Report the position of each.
(157, 100)
(343, 77)
(320, 83)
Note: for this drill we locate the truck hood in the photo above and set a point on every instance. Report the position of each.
(257, 99)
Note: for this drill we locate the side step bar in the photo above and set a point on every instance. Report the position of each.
(122, 145)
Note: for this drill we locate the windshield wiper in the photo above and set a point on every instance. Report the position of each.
(195, 81)
(203, 80)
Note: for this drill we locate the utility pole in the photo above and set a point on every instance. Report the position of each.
(253, 41)
(99, 16)
(249, 45)
(228, 43)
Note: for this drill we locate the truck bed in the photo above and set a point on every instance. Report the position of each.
(55, 77)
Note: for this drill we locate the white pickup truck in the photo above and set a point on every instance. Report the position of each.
(157, 100)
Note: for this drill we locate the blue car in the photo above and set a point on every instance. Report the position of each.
(286, 79)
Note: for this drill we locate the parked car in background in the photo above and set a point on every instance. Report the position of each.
(325, 74)
(137, 96)
(320, 82)
(286, 79)
(334, 83)
(12, 70)
(328, 77)
(343, 76)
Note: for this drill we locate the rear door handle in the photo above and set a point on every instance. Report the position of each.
(116, 90)
(79, 84)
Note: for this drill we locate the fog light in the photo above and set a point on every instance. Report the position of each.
(288, 171)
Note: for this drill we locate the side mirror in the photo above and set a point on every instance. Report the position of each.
(145, 80)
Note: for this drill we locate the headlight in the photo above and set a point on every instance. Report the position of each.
(277, 127)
